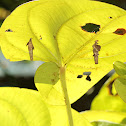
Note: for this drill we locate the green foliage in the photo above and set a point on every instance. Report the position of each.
(55, 32)
(120, 68)
(62, 40)
(120, 83)
(102, 123)
(59, 116)
(111, 116)
(108, 98)
(22, 107)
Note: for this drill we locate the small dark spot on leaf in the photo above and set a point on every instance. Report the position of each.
(120, 31)
(107, 54)
(55, 74)
(79, 76)
(53, 81)
(88, 78)
(110, 17)
(87, 73)
(90, 27)
(54, 36)
(8, 30)
(40, 37)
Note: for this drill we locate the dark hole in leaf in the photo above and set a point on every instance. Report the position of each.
(79, 76)
(120, 31)
(86, 73)
(8, 30)
(88, 78)
(90, 27)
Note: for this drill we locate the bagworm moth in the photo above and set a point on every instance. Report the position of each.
(96, 49)
(30, 48)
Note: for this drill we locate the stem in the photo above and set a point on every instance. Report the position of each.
(68, 106)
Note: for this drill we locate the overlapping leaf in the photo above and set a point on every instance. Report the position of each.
(111, 116)
(55, 27)
(108, 99)
(22, 107)
(120, 83)
(58, 116)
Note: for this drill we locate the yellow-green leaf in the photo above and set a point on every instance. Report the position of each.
(58, 32)
(47, 75)
(105, 123)
(120, 85)
(116, 117)
(108, 99)
(120, 68)
(22, 107)
(59, 117)
(10, 115)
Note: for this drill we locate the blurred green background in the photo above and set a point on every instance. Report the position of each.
(21, 74)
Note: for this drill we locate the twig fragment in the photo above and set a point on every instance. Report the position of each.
(30, 48)
(96, 49)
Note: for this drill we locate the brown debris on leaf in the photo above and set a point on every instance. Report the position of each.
(96, 49)
(30, 48)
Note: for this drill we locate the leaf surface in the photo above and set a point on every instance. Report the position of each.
(120, 68)
(59, 118)
(22, 107)
(104, 123)
(108, 99)
(120, 83)
(59, 35)
(10, 116)
(115, 117)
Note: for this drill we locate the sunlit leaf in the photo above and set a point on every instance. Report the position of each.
(58, 29)
(107, 99)
(59, 117)
(22, 107)
(46, 77)
(120, 68)
(10, 115)
(115, 117)
(103, 123)
(120, 85)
